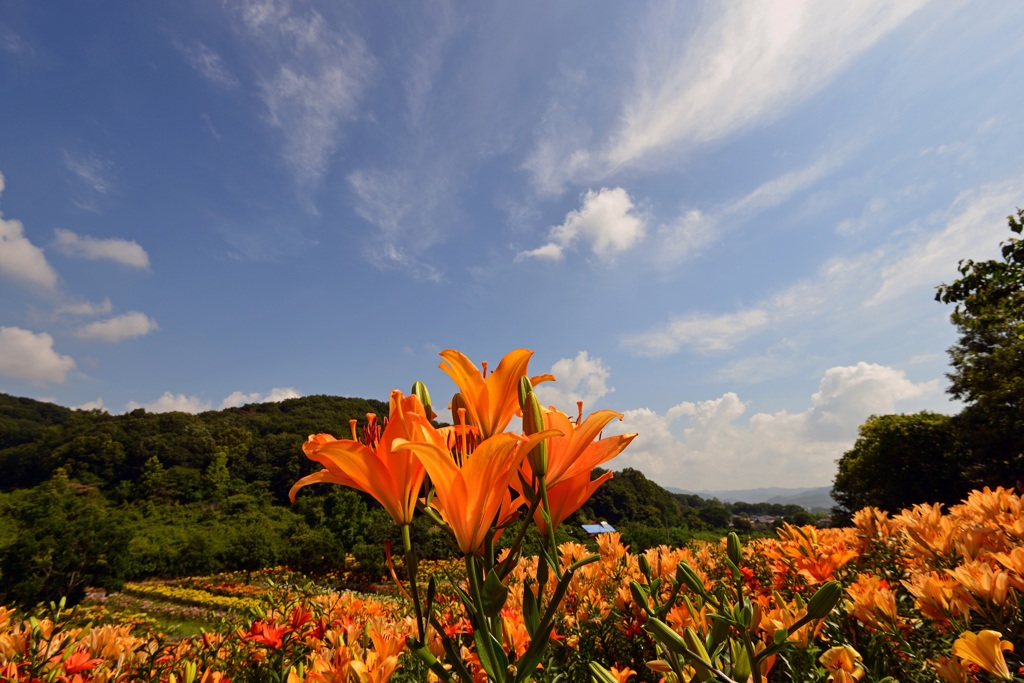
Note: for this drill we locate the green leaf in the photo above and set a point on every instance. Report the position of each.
(494, 594)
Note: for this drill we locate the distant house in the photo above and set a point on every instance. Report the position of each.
(595, 529)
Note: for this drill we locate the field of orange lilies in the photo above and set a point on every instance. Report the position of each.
(925, 595)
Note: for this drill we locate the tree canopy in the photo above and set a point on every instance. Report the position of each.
(988, 360)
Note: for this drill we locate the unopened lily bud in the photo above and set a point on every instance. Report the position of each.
(533, 422)
(733, 548)
(822, 602)
(639, 595)
(686, 576)
(645, 566)
(419, 390)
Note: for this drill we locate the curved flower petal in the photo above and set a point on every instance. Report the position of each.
(491, 401)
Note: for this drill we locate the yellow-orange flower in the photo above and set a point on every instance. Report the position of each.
(574, 450)
(567, 496)
(470, 494)
(491, 401)
(984, 649)
(843, 664)
(392, 477)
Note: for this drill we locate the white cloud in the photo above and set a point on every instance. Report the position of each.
(693, 444)
(313, 84)
(120, 327)
(582, 378)
(87, 308)
(276, 395)
(208, 63)
(31, 356)
(122, 251)
(974, 231)
(404, 207)
(740, 65)
(19, 258)
(846, 290)
(91, 405)
(93, 170)
(169, 403)
(700, 331)
(694, 230)
(607, 220)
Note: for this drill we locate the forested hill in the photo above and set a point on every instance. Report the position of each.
(255, 444)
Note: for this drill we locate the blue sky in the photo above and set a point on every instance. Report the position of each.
(724, 220)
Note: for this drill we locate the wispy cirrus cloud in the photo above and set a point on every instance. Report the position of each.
(976, 223)
(125, 252)
(312, 76)
(92, 170)
(849, 286)
(739, 65)
(694, 230)
(208, 63)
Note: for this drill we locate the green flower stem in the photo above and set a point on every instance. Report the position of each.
(411, 567)
(483, 621)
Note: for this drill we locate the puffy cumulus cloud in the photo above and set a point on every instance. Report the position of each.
(91, 405)
(277, 394)
(607, 220)
(126, 252)
(120, 327)
(582, 378)
(708, 445)
(21, 260)
(31, 356)
(172, 403)
(848, 394)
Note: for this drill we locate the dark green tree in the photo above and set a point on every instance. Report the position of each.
(988, 361)
(900, 460)
(68, 539)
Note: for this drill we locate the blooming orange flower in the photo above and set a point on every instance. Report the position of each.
(491, 401)
(984, 649)
(393, 478)
(843, 663)
(566, 497)
(573, 450)
(470, 493)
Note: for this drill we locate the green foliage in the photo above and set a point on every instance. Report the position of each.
(67, 539)
(900, 460)
(988, 360)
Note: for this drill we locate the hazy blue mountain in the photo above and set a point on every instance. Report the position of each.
(817, 498)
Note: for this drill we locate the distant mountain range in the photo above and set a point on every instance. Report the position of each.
(817, 498)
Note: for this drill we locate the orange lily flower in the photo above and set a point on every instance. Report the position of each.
(470, 495)
(843, 664)
(573, 451)
(393, 478)
(491, 401)
(567, 497)
(985, 650)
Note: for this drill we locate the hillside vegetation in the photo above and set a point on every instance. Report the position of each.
(88, 498)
